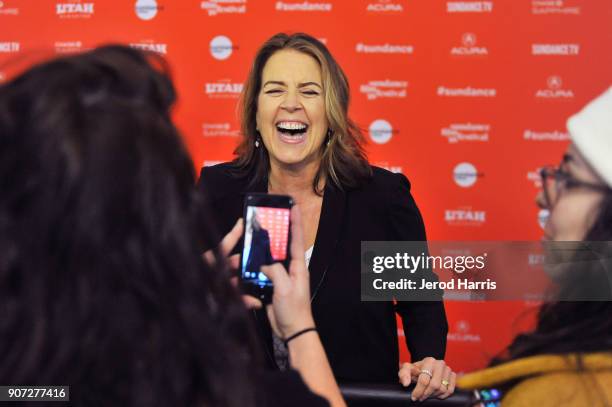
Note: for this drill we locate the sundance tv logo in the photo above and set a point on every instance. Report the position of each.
(362, 48)
(75, 9)
(303, 6)
(553, 7)
(223, 89)
(386, 89)
(147, 9)
(466, 132)
(469, 6)
(6, 10)
(468, 91)
(555, 49)
(466, 175)
(160, 48)
(469, 47)
(385, 7)
(381, 131)
(9, 47)
(221, 47)
(554, 90)
(216, 7)
(465, 216)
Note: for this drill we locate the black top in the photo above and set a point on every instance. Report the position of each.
(360, 338)
(278, 389)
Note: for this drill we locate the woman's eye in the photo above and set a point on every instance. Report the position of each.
(311, 92)
(273, 91)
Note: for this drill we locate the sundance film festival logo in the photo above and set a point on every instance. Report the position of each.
(468, 132)
(221, 47)
(302, 6)
(147, 9)
(384, 89)
(385, 6)
(151, 46)
(223, 89)
(66, 47)
(555, 49)
(381, 131)
(554, 135)
(554, 90)
(9, 47)
(74, 10)
(216, 7)
(219, 130)
(466, 92)
(6, 10)
(466, 175)
(465, 216)
(362, 48)
(469, 47)
(469, 6)
(553, 7)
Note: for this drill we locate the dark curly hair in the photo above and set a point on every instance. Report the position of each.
(102, 283)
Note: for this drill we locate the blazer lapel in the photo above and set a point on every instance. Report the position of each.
(328, 233)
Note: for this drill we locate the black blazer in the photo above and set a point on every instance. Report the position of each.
(360, 338)
(260, 254)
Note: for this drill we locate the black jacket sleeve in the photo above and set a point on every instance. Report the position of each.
(424, 322)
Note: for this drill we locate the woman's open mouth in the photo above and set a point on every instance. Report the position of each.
(292, 132)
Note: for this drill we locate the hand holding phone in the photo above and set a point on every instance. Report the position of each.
(266, 241)
(290, 311)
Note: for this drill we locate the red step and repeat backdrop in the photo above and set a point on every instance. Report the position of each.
(467, 98)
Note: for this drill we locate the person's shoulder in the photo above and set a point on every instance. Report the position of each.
(222, 179)
(383, 180)
(219, 172)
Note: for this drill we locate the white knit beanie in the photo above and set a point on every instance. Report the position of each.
(591, 131)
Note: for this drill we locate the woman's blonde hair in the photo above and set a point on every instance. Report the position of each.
(343, 160)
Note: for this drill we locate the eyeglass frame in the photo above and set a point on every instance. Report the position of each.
(558, 174)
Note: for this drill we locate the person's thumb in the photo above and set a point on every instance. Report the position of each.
(277, 273)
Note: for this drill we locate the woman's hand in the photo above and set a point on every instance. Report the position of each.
(290, 310)
(433, 378)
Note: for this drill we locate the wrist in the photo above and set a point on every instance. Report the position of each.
(299, 334)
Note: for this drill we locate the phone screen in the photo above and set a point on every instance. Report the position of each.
(266, 241)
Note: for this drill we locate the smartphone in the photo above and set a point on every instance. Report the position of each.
(267, 238)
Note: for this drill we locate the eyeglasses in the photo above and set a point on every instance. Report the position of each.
(555, 180)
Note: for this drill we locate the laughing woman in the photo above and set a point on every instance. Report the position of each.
(299, 141)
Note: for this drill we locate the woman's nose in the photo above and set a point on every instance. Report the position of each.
(291, 102)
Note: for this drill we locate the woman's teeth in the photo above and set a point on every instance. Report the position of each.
(292, 128)
(292, 132)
